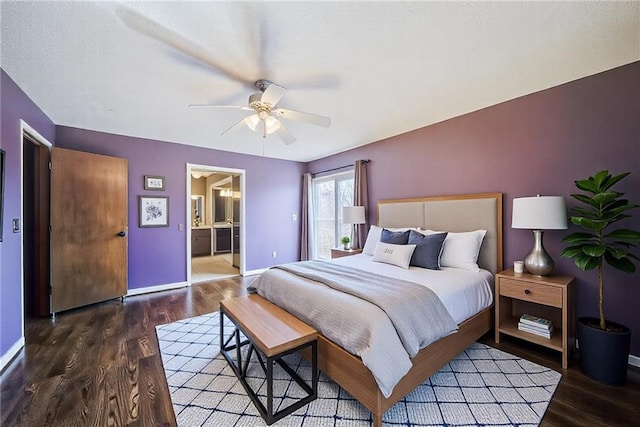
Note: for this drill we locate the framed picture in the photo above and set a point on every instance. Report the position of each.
(1, 191)
(153, 211)
(152, 182)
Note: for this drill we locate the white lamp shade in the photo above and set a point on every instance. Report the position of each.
(539, 213)
(353, 215)
(252, 121)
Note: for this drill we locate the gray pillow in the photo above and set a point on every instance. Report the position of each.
(394, 237)
(428, 249)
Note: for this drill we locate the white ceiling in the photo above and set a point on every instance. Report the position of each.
(377, 69)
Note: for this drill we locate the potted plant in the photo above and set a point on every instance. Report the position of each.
(604, 345)
(345, 240)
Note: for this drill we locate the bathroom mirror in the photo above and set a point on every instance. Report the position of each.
(222, 205)
(197, 210)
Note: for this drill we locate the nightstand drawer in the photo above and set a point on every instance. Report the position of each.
(533, 292)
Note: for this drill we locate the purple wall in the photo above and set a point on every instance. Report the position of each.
(539, 143)
(157, 256)
(14, 105)
(535, 144)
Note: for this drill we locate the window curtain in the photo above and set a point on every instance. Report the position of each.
(361, 198)
(306, 219)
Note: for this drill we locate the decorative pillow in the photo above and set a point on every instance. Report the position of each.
(374, 237)
(394, 237)
(398, 255)
(428, 249)
(461, 250)
(372, 240)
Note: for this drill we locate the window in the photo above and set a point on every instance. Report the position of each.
(330, 194)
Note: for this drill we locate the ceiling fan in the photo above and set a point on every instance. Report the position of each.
(266, 117)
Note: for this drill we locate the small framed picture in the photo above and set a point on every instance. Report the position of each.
(152, 182)
(153, 211)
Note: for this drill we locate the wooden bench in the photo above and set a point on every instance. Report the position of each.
(271, 333)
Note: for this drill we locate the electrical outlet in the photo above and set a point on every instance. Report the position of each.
(273, 254)
(180, 227)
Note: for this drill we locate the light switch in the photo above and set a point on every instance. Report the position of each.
(16, 225)
(294, 217)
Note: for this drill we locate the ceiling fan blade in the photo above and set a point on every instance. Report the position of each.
(142, 24)
(272, 94)
(314, 119)
(233, 107)
(322, 82)
(255, 28)
(237, 124)
(284, 134)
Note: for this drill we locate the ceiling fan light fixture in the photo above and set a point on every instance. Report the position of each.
(271, 124)
(252, 121)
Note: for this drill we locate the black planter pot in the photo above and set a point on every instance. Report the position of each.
(604, 355)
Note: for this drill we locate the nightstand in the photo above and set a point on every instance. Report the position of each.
(339, 253)
(551, 297)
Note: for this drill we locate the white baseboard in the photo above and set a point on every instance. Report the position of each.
(158, 288)
(633, 360)
(11, 353)
(255, 272)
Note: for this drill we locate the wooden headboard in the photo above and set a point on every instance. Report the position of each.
(452, 213)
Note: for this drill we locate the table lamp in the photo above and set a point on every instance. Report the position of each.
(353, 215)
(538, 214)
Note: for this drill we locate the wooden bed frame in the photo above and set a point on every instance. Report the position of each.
(349, 372)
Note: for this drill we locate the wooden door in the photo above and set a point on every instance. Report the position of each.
(88, 228)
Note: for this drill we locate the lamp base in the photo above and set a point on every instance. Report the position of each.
(538, 261)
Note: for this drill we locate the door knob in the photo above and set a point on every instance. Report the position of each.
(122, 233)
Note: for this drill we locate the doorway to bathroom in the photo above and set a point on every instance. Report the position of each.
(215, 236)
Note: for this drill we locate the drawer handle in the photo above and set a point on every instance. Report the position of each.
(527, 291)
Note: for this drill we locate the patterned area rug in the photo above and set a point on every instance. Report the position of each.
(481, 387)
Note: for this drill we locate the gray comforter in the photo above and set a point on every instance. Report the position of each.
(384, 321)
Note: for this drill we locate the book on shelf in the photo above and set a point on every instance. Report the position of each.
(533, 330)
(536, 328)
(536, 322)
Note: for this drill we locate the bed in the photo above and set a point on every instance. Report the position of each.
(446, 213)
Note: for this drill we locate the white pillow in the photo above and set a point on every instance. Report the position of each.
(372, 240)
(461, 250)
(374, 237)
(399, 255)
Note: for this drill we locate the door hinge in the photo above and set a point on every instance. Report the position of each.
(50, 166)
(50, 229)
(50, 290)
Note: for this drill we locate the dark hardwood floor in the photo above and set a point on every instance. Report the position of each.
(100, 366)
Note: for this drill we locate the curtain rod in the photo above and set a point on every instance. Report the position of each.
(338, 168)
